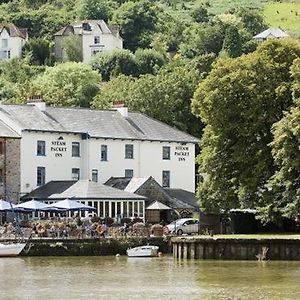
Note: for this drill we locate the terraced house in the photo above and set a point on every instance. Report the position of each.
(52, 143)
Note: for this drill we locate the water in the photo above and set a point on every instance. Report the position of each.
(146, 278)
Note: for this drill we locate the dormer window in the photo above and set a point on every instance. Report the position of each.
(96, 39)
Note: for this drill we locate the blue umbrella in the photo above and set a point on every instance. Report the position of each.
(68, 205)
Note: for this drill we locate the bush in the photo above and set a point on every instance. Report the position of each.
(243, 221)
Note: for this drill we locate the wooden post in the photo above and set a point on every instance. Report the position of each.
(192, 250)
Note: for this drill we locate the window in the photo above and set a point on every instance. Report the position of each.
(129, 151)
(94, 52)
(41, 176)
(75, 149)
(41, 148)
(96, 39)
(4, 43)
(166, 178)
(104, 152)
(129, 173)
(95, 175)
(75, 174)
(166, 152)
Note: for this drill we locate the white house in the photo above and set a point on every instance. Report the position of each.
(12, 40)
(94, 36)
(269, 34)
(77, 143)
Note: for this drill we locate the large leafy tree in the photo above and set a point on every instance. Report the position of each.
(239, 101)
(73, 48)
(94, 10)
(282, 194)
(137, 21)
(68, 84)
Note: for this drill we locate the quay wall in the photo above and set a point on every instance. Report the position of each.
(235, 248)
(90, 247)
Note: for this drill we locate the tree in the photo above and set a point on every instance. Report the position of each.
(232, 42)
(239, 101)
(68, 84)
(73, 48)
(137, 21)
(114, 63)
(149, 61)
(281, 198)
(94, 10)
(40, 51)
(200, 14)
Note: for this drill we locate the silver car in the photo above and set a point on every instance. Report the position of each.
(186, 225)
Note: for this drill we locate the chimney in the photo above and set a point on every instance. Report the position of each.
(38, 101)
(119, 105)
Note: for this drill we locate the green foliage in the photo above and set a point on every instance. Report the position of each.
(239, 101)
(114, 63)
(137, 21)
(73, 48)
(149, 61)
(232, 42)
(200, 14)
(40, 51)
(94, 10)
(68, 84)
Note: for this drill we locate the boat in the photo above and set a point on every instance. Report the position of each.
(143, 251)
(11, 249)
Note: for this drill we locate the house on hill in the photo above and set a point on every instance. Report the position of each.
(12, 40)
(270, 33)
(94, 36)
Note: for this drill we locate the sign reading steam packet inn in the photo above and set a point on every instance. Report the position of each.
(67, 143)
(59, 147)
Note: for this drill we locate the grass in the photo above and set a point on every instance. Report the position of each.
(284, 15)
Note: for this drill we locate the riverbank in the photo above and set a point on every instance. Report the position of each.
(238, 247)
(90, 246)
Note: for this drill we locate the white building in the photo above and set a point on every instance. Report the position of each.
(94, 35)
(270, 33)
(75, 143)
(12, 40)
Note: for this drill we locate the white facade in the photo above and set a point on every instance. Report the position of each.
(10, 46)
(147, 160)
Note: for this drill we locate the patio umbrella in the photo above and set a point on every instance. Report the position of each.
(32, 205)
(68, 205)
(6, 206)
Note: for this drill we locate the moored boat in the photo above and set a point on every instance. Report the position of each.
(12, 249)
(143, 251)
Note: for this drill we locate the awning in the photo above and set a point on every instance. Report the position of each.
(158, 206)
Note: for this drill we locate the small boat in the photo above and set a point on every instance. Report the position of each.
(143, 251)
(12, 249)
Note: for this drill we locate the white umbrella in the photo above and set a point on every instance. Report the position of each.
(32, 205)
(68, 205)
(6, 206)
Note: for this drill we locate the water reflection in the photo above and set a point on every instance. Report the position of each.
(148, 278)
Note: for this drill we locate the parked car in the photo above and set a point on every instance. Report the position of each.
(186, 225)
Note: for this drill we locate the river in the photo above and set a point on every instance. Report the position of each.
(146, 278)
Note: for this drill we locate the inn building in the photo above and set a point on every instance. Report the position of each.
(42, 144)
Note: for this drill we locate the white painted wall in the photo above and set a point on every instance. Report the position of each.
(14, 44)
(147, 160)
(108, 42)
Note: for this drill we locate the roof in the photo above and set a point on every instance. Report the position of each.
(7, 132)
(158, 206)
(85, 189)
(43, 192)
(13, 30)
(271, 32)
(118, 182)
(86, 26)
(183, 196)
(135, 183)
(97, 123)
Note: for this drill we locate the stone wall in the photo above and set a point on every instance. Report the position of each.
(10, 165)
